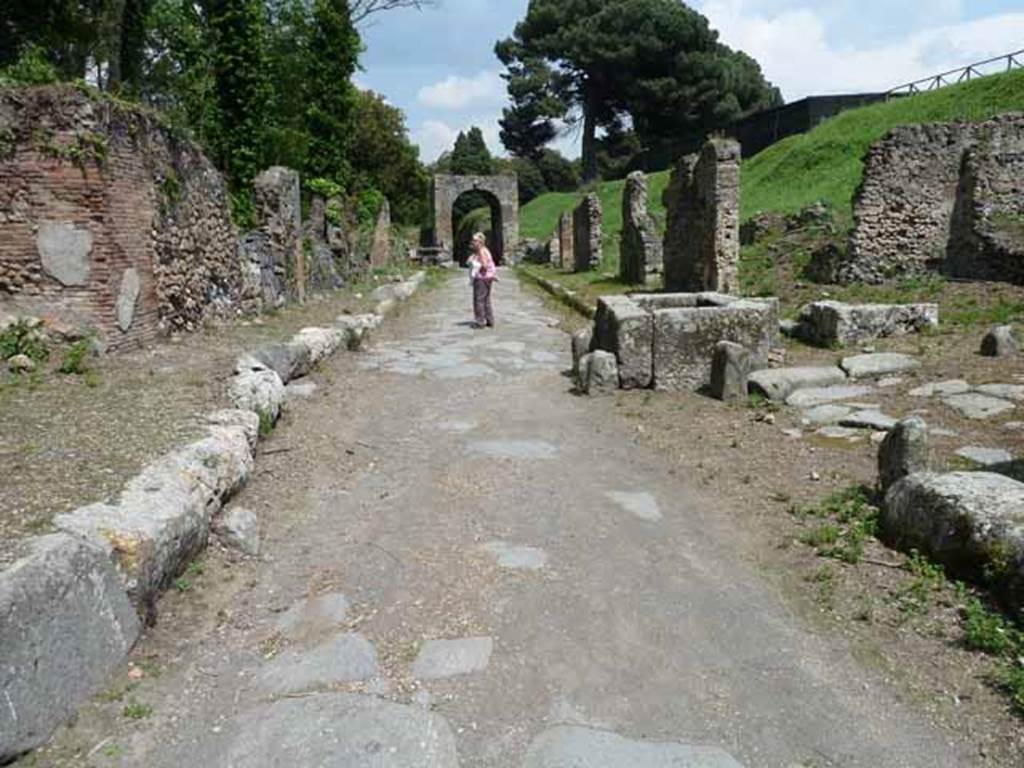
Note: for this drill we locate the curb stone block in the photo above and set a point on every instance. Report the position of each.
(162, 519)
(259, 392)
(67, 625)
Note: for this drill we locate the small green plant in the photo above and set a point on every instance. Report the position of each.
(822, 536)
(915, 597)
(113, 750)
(987, 631)
(74, 360)
(136, 710)
(851, 519)
(20, 338)
(266, 422)
(32, 67)
(183, 584)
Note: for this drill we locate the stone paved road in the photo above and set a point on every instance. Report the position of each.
(522, 586)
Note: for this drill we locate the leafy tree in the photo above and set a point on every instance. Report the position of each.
(333, 56)
(531, 180)
(243, 87)
(383, 158)
(655, 63)
(470, 156)
(559, 173)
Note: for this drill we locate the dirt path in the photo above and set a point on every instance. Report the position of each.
(448, 486)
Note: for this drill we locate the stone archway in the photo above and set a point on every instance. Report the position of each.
(504, 193)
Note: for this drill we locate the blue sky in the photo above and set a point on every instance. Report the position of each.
(438, 65)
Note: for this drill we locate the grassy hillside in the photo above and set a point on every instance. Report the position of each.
(824, 164)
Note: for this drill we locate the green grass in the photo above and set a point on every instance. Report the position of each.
(824, 164)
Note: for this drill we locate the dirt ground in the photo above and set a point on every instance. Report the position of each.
(70, 440)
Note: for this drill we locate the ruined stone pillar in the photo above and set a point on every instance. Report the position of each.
(565, 247)
(586, 221)
(640, 252)
(380, 249)
(279, 218)
(702, 241)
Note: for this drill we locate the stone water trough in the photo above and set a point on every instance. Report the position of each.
(666, 341)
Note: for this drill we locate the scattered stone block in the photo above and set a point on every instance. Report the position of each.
(1000, 342)
(599, 373)
(332, 730)
(1004, 391)
(812, 396)
(564, 746)
(825, 414)
(21, 364)
(730, 366)
(972, 405)
(66, 626)
(517, 558)
(834, 323)
(447, 658)
(873, 420)
(941, 388)
(582, 341)
(845, 434)
(639, 503)
(779, 383)
(963, 520)
(903, 452)
(878, 364)
(313, 617)
(239, 528)
(320, 343)
(346, 658)
(986, 457)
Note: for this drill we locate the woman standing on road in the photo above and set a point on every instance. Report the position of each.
(482, 274)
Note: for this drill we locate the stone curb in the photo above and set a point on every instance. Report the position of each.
(570, 298)
(73, 608)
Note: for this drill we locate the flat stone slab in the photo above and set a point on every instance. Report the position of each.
(825, 414)
(446, 658)
(331, 730)
(567, 746)
(869, 420)
(841, 433)
(779, 383)
(313, 616)
(639, 503)
(342, 659)
(972, 405)
(1004, 391)
(941, 388)
(878, 364)
(985, 456)
(300, 390)
(517, 558)
(808, 398)
(514, 449)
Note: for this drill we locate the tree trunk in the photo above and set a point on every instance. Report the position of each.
(112, 40)
(589, 171)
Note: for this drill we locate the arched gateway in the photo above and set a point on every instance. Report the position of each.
(502, 194)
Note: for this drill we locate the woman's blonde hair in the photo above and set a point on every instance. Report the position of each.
(480, 237)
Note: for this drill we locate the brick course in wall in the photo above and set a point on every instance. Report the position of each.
(91, 189)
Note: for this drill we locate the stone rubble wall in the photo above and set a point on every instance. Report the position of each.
(702, 237)
(586, 234)
(942, 196)
(108, 220)
(380, 248)
(565, 242)
(640, 250)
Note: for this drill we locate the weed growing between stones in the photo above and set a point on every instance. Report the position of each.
(136, 710)
(21, 338)
(74, 360)
(848, 518)
(266, 423)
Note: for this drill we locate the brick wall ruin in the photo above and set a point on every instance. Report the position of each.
(108, 221)
(639, 244)
(702, 239)
(586, 226)
(944, 196)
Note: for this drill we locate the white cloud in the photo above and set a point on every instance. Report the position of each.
(437, 136)
(793, 49)
(486, 88)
